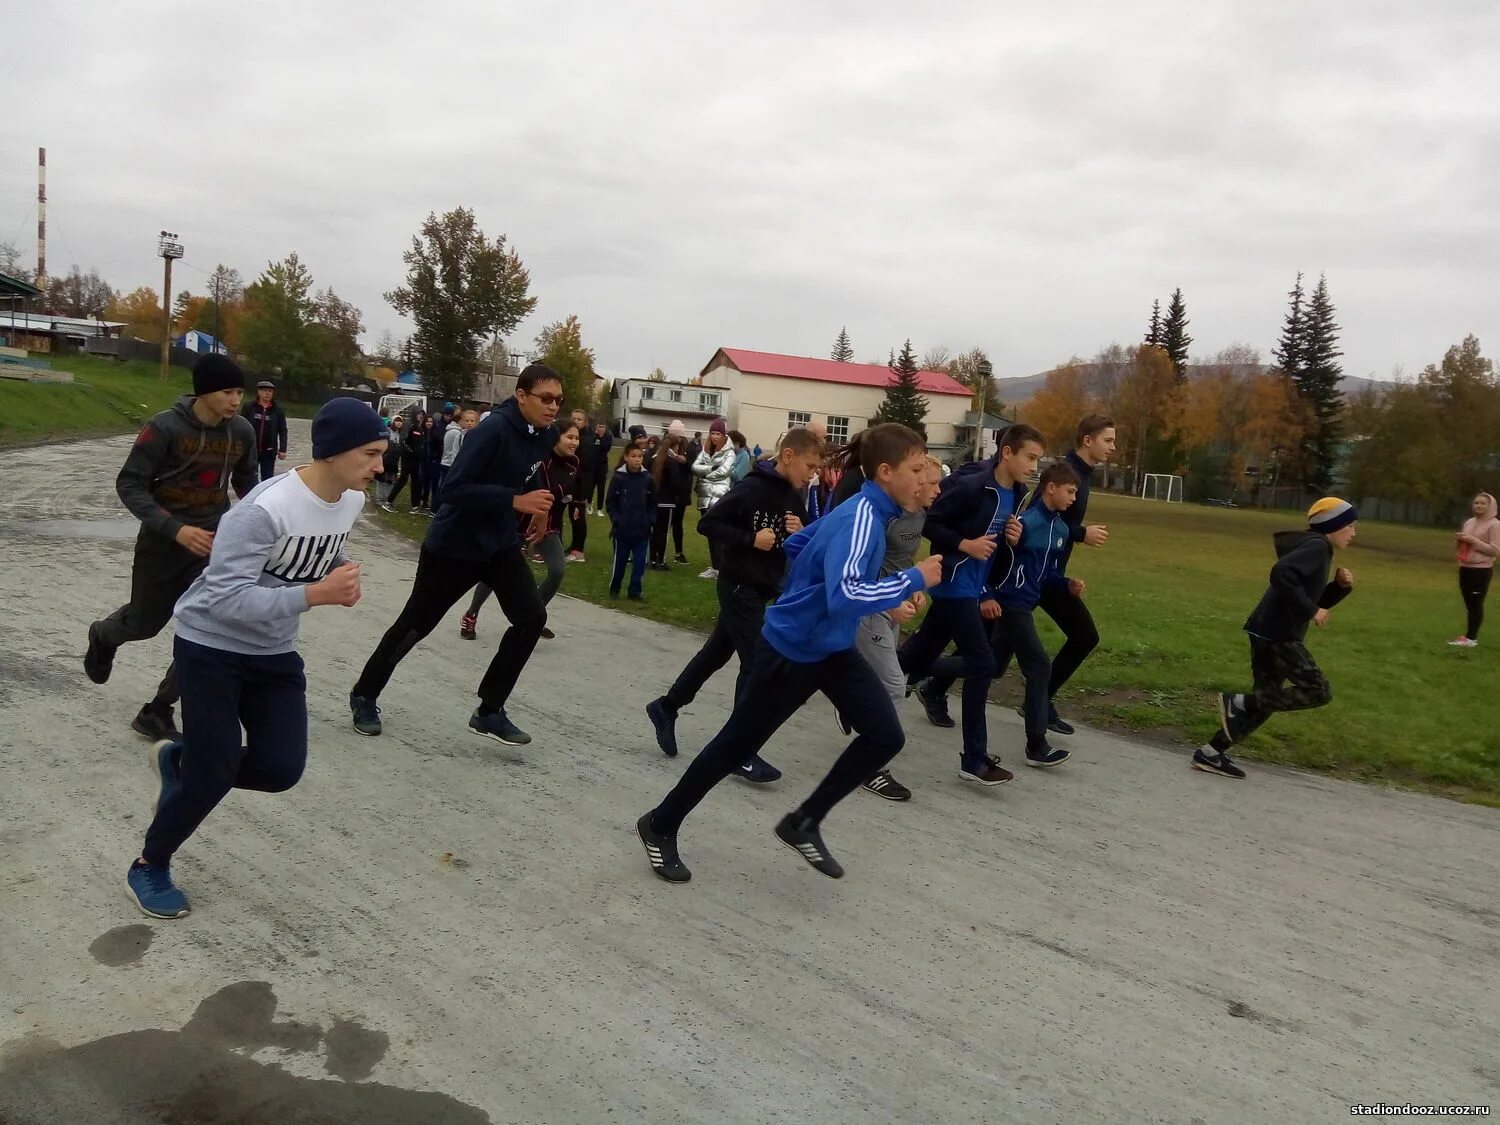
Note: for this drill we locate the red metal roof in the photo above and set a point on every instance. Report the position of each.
(832, 371)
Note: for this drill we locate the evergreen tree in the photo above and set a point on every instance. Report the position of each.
(903, 398)
(1153, 330)
(1174, 338)
(843, 350)
(1288, 351)
(1318, 380)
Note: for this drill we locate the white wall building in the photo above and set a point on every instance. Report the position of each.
(640, 402)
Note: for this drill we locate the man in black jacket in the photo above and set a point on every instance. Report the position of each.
(1299, 595)
(269, 421)
(476, 538)
(597, 484)
(750, 523)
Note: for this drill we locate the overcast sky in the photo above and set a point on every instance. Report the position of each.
(689, 176)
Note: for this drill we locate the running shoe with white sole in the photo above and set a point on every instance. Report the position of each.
(1209, 760)
(988, 772)
(882, 784)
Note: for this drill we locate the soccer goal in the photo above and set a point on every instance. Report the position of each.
(1162, 486)
(391, 405)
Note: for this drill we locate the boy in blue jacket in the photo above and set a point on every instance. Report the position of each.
(807, 645)
(631, 505)
(972, 513)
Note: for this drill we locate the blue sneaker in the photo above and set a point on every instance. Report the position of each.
(497, 726)
(165, 757)
(154, 892)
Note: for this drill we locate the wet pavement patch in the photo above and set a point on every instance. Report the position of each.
(200, 1074)
(75, 529)
(123, 945)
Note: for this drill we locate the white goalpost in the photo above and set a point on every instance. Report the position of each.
(1162, 486)
(391, 405)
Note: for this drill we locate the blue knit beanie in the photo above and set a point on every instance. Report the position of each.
(342, 424)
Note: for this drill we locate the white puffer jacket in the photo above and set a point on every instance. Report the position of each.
(714, 471)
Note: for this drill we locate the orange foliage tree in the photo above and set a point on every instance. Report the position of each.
(1055, 409)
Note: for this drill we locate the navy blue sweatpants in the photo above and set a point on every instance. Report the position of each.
(222, 692)
(957, 620)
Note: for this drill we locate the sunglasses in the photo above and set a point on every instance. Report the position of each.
(546, 398)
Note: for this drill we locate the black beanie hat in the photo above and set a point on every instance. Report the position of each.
(342, 424)
(215, 372)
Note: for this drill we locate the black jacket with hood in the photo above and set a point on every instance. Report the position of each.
(631, 504)
(179, 471)
(763, 499)
(1299, 587)
(497, 460)
(269, 423)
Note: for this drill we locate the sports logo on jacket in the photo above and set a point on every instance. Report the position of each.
(305, 558)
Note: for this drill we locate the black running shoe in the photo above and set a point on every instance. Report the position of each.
(1047, 756)
(987, 772)
(497, 726)
(1232, 713)
(935, 705)
(366, 715)
(156, 722)
(680, 557)
(801, 835)
(661, 852)
(99, 661)
(884, 785)
(758, 771)
(548, 634)
(664, 719)
(1054, 724)
(1210, 761)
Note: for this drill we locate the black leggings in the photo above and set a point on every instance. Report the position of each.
(666, 516)
(1474, 584)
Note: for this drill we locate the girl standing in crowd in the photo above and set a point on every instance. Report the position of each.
(432, 459)
(673, 479)
(411, 457)
(742, 461)
(1478, 544)
(390, 475)
(714, 467)
(559, 475)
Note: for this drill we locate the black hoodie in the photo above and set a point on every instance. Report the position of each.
(1299, 587)
(180, 471)
(763, 499)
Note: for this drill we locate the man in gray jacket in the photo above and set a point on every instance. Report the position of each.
(176, 482)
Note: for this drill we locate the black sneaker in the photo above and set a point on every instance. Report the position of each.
(844, 727)
(884, 785)
(1232, 713)
(1046, 757)
(366, 715)
(801, 835)
(661, 852)
(1054, 724)
(497, 726)
(1208, 760)
(165, 759)
(99, 661)
(758, 771)
(156, 722)
(664, 719)
(680, 557)
(935, 705)
(548, 634)
(988, 772)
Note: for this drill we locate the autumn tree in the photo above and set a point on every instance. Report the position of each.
(461, 288)
(190, 312)
(78, 294)
(843, 350)
(388, 350)
(334, 328)
(140, 311)
(657, 376)
(560, 347)
(1144, 405)
(903, 396)
(10, 261)
(1056, 408)
(1175, 340)
(225, 294)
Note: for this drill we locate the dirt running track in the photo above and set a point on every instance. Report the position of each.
(432, 928)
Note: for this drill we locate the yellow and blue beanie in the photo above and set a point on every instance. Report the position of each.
(1330, 514)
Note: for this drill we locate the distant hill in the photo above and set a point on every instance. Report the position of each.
(1015, 391)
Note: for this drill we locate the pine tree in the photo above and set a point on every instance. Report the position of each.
(1153, 330)
(1288, 351)
(903, 398)
(1174, 338)
(843, 350)
(1318, 380)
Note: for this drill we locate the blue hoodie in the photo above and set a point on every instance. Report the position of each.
(1036, 561)
(497, 459)
(835, 580)
(972, 504)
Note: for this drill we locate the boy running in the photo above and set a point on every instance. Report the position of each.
(1300, 594)
(176, 482)
(276, 555)
(751, 526)
(965, 524)
(807, 645)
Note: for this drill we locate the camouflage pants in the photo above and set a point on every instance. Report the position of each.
(1287, 678)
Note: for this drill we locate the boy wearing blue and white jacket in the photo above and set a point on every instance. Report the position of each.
(973, 513)
(807, 645)
(1017, 581)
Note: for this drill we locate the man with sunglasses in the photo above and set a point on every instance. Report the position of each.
(488, 493)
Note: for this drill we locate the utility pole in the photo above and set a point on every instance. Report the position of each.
(169, 249)
(41, 226)
(217, 279)
(982, 371)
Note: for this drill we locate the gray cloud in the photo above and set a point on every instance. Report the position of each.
(684, 177)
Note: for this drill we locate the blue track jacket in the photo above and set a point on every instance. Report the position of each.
(835, 580)
(1036, 561)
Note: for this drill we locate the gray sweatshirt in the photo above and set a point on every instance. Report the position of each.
(268, 549)
(179, 470)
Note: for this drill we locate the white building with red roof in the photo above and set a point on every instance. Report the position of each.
(768, 394)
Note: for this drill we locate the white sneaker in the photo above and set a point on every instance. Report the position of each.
(1463, 642)
(709, 573)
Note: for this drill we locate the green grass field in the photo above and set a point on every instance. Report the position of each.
(106, 397)
(1170, 592)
